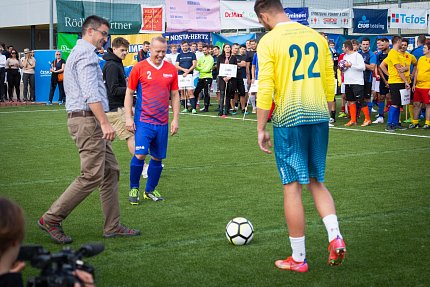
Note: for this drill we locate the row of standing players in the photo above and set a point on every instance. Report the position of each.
(382, 75)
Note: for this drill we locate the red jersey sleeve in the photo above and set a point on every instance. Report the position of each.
(175, 86)
(133, 79)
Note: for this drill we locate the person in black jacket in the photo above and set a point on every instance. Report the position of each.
(226, 86)
(116, 85)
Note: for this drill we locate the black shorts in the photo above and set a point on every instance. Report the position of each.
(240, 87)
(396, 99)
(367, 91)
(383, 90)
(354, 92)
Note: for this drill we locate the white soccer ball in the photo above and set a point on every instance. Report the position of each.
(239, 231)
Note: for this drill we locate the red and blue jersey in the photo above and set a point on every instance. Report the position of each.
(153, 85)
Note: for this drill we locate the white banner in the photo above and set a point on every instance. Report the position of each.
(227, 70)
(335, 18)
(185, 82)
(238, 15)
(254, 87)
(405, 95)
(408, 18)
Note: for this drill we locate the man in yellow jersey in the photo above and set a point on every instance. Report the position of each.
(410, 62)
(421, 87)
(296, 69)
(395, 67)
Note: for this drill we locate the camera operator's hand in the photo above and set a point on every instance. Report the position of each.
(17, 267)
(86, 278)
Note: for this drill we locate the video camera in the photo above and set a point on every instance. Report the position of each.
(57, 269)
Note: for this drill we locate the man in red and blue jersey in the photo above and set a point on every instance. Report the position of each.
(155, 81)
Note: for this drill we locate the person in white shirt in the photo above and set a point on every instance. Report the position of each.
(353, 80)
(173, 55)
(2, 75)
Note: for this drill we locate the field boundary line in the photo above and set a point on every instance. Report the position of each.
(335, 128)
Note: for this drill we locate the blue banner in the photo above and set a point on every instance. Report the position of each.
(177, 38)
(219, 40)
(370, 21)
(42, 74)
(299, 15)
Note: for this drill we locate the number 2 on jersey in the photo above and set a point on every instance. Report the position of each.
(299, 53)
(149, 75)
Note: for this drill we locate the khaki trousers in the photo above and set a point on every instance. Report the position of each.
(99, 168)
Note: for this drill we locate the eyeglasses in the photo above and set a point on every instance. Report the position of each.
(13, 53)
(104, 33)
(57, 54)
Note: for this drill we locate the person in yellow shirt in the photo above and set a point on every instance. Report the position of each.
(411, 62)
(296, 71)
(421, 87)
(395, 67)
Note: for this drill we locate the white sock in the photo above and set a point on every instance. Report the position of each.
(332, 226)
(298, 247)
(252, 98)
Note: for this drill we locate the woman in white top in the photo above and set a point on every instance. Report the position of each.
(28, 63)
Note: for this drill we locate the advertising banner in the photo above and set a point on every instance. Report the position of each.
(42, 75)
(123, 18)
(219, 40)
(65, 43)
(238, 15)
(370, 21)
(299, 15)
(408, 18)
(177, 38)
(335, 18)
(136, 44)
(192, 15)
(152, 19)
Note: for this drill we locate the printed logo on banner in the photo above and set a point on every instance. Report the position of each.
(405, 19)
(363, 23)
(371, 21)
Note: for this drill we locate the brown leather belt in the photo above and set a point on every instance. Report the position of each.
(80, 114)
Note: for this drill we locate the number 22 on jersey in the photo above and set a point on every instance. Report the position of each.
(297, 53)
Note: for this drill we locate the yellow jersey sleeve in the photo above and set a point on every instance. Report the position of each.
(423, 73)
(296, 71)
(393, 58)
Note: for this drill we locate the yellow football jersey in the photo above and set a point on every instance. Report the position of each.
(393, 58)
(296, 71)
(423, 75)
(408, 60)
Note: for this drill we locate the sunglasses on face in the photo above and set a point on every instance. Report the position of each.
(13, 53)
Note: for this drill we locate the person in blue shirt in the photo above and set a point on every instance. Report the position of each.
(370, 63)
(185, 64)
(418, 52)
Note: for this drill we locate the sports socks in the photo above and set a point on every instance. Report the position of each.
(353, 112)
(136, 167)
(366, 113)
(381, 107)
(298, 247)
(391, 115)
(332, 226)
(154, 172)
(193, 103)
(369, 107)
(411, 111)
(183, 102)
(252, 99)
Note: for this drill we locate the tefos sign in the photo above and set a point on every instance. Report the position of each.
(408, 18)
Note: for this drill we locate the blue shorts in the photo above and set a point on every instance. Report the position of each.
(301, 152)
(151, 137)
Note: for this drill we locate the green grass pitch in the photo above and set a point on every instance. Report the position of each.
(214, 172)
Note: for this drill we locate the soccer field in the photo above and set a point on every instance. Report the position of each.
(214, 172)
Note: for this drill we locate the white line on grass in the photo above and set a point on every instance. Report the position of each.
(34, 111)
(335, 128)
